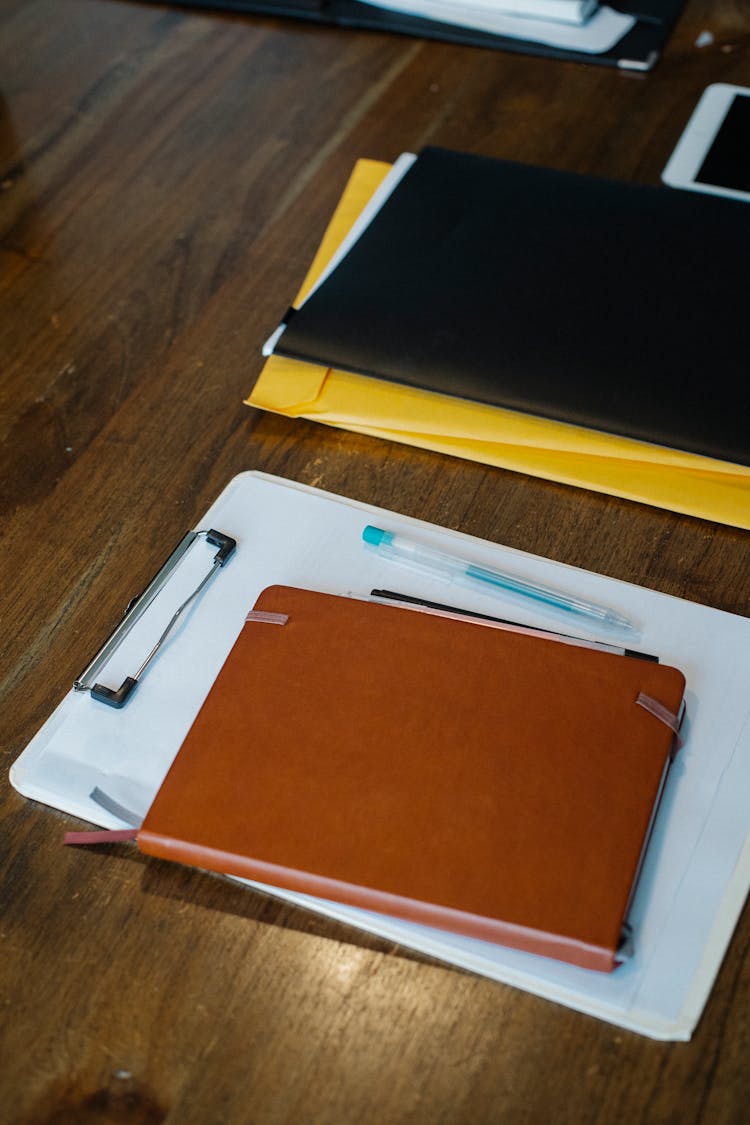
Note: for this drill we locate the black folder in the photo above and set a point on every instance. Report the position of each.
(639, 49)
(615, 306)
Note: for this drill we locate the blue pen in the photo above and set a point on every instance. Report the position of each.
(401, 550)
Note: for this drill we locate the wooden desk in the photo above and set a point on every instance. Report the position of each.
(165, 179)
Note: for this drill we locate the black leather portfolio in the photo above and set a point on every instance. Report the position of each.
(639, 49)
(615, 306)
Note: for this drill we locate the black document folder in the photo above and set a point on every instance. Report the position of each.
(639, 49)
(614, 306)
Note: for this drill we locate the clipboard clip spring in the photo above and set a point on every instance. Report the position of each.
(118, 697)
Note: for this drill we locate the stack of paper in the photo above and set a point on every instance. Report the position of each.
(579, 25)
(582, 30)
(714, 487)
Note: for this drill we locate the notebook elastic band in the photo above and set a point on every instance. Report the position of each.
(103, 836)
(659, 711)
(269, 618)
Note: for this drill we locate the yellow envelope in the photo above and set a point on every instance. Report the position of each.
(635, 470)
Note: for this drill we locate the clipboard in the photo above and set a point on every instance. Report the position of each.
(697, 871)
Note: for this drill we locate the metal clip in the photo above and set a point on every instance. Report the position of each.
(117, 697)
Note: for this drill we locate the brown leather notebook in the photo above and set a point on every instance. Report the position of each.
(452, 773)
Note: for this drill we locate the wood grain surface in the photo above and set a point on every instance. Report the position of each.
(165, 177)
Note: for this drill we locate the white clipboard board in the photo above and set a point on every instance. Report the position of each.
(697, 871)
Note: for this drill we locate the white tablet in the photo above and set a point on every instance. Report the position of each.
(713, 153)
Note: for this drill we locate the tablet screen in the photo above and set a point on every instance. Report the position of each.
(727, 163)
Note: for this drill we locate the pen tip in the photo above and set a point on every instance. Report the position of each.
(622, 624)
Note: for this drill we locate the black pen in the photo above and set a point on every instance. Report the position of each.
(394, 596)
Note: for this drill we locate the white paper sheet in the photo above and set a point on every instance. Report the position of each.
(697, 871)
(564, 11)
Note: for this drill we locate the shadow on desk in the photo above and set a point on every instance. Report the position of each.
(210, 891)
